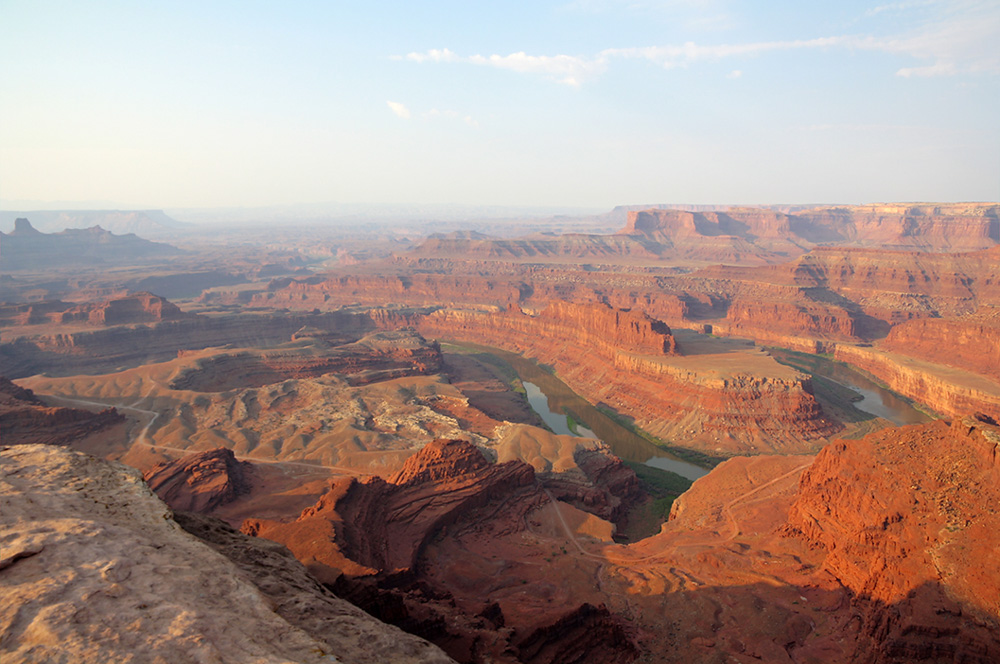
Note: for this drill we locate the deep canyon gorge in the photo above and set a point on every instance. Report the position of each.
(325, 449)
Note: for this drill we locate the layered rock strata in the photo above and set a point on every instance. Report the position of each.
(970, 343)
(366, 527)
(859, 556)
(348, 632)
(949, 391)
(762, 233)
(377, 356)
(96, 351)
(368, 540)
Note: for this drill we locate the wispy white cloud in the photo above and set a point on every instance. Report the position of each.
(736, 73)
(399, 109)
(963, 38)
(574, 70)
(958, 37)
(568, 69)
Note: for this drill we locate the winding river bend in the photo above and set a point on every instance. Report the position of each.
(553, 400)
(875, 399)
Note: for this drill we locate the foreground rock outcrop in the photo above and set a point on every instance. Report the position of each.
(94, 568)
(912, 541)
(376, 525)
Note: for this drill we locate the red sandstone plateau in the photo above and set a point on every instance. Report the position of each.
(133, 308)
(745, 235)
(960, 227)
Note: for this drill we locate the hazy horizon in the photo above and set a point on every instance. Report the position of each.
(579, 105)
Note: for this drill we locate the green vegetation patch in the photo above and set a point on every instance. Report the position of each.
(657, 482)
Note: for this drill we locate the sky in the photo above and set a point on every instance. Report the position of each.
(573, 103)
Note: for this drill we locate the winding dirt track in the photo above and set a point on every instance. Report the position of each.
(668, 562)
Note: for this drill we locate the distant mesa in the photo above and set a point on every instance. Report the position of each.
(741, 235)
(131, 309)
(28, 249)
(151, 223)
(23, 227)
(685, 233)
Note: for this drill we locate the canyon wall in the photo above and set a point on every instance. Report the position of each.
(134, 308)
(474, 284)
(952, 228)
(376, 356)
(369, 540)
(26, 419)
(934, 227)
(412, 290)
(101, 350)
(833, 295)
(971, 343)
(883, 281)
(860, 555)
(821, 298)
(947, 391)
(800, 325)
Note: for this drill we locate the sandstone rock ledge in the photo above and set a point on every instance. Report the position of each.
(94, 569)
(947, 390)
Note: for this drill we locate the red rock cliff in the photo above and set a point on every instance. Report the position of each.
(917, 537)
(943, 389)
(971, 343)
